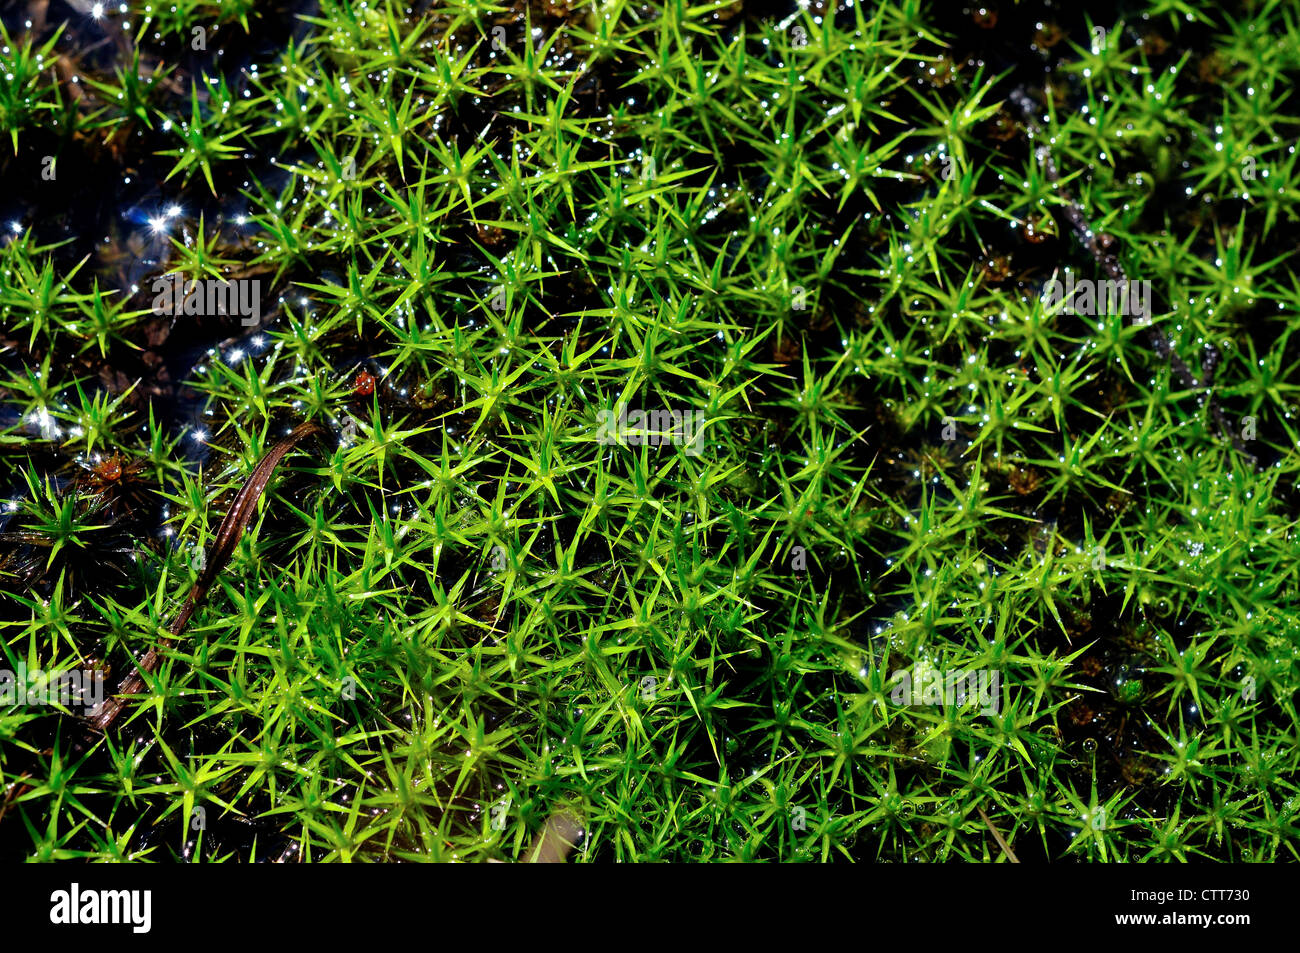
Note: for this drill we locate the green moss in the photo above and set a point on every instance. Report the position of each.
(461, 612)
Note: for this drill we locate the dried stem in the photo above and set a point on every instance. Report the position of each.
(1006, 848)
(228, 535)
(1108, 261)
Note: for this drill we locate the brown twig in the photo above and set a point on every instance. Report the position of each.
(1006, 848)
(1108, 260)
(228, 535)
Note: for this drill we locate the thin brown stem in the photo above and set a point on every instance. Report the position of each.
(1108, 261)
(227, 538)
(1006, 848)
